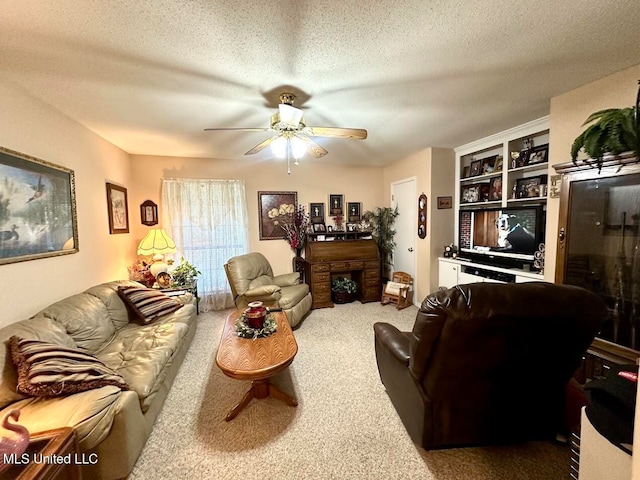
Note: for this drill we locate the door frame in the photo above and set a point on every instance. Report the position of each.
(393, 185)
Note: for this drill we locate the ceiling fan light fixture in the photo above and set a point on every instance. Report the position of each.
(279, 147)
(289, 115)
(298, 148)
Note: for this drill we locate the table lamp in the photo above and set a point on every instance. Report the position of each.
(157, 243)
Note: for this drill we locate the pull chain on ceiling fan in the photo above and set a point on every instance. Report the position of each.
(292, 135)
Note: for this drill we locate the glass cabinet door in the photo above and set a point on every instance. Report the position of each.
(601, 250)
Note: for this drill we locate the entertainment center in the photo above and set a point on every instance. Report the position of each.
(500, 201)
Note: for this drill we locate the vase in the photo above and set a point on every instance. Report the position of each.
(255, 314)
(298, 252)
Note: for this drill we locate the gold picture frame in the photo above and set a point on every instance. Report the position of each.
(38, 218)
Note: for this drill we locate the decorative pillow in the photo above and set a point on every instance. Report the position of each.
(147, 304)
(49, 370)
(393, 288)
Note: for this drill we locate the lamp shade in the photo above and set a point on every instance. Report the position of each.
(156, 242)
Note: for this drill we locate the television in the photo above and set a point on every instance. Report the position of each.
(507, 236)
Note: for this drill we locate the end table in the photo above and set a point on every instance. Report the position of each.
(53, 455)
(193, 289)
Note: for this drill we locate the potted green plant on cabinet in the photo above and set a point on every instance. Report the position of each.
(612, 131)
(382, 220)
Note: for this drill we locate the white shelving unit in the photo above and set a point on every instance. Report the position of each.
(489, 188)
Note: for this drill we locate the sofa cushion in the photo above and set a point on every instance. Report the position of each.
(40, 328)
(147, 304)
(86, 319)
(141, 353)
(293, 295)
(243, 269)
(107, 293)
(49, 370)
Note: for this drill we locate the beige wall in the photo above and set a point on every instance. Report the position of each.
(568, 112)
(434, 172)
(34, 128)
(313, 179)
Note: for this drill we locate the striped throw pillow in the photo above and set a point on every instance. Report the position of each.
(50, 370)
(147, 304)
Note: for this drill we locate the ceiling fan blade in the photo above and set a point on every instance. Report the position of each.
(312, 147)
(239, 129)
(355, 133)
(261, 145)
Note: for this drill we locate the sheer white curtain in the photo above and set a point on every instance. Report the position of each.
(208, 221)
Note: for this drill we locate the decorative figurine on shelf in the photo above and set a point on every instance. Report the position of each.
(514, 159)
(16, 445)
(538, 257)
(450, 251)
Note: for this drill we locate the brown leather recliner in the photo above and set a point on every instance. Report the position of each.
(486, 362)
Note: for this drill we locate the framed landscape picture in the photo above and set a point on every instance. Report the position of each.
(275, 209)
(118, 209)
(37, 208)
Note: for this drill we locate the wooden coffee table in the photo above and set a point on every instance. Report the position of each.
(256, 360)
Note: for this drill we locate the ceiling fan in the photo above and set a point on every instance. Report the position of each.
(291, 134)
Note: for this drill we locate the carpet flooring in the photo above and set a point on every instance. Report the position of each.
(344, 427)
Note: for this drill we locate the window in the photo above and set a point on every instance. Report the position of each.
(208, 221)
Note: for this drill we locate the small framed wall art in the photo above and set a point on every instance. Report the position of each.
(316, 213)
(149, 213)
(445, 203)
(336, 204)
(118, 209)
(353, 212)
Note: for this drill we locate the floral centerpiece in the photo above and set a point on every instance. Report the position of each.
(296, 228)
(140, 272)
(338, 221)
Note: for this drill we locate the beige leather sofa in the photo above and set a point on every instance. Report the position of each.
(112, 423)
(251, 279)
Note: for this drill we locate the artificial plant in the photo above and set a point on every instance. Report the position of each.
(382, 221)
(185, 273)
(344, 285)
(612, 131)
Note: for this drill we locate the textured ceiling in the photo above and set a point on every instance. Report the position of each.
(150, 75)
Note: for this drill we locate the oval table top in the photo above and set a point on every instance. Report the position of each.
(248, 359)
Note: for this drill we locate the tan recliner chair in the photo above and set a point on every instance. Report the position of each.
(251, 279)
